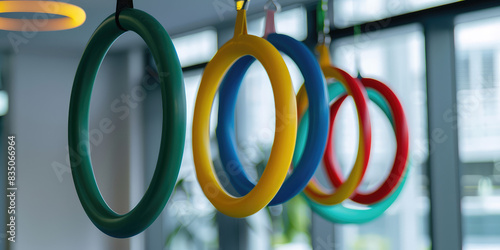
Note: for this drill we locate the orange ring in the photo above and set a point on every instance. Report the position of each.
(354, 88)
(74, 16)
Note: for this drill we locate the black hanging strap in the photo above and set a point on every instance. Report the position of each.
(121, 5)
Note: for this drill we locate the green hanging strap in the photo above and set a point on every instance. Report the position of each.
(322, 22)
(357, 35)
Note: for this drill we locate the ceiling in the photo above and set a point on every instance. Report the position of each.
(176, 16)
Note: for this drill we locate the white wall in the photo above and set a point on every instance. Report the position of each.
(49, 214)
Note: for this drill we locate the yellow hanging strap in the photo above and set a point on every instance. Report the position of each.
(241, 23)
(241, 4)
(324, 55)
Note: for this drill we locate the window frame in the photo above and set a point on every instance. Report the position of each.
(438, 25)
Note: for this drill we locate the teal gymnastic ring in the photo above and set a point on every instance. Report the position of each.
(339, 213)
(173, 129)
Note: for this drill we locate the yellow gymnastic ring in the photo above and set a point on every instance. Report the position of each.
(313, 190)
(286, 123)
(74, 16)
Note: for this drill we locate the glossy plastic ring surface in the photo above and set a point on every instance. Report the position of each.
(173, 129)
(316, 139)
(354, 89)
(347, 214)
(73, 16)
(276, 170)
(402, 146)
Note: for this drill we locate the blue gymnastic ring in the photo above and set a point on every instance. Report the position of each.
(340, 213)
(317, 134)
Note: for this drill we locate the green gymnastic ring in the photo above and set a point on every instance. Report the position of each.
(339, 213)
(173, 129)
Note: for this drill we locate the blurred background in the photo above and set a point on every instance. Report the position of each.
(441, 57)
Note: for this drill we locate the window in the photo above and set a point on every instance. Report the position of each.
(478, 100)
(351, 12)
(4, 102)
(189, 221)
(396, 57)
(197, 47)
(255, 127)
(292, 22)
(191, 217)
